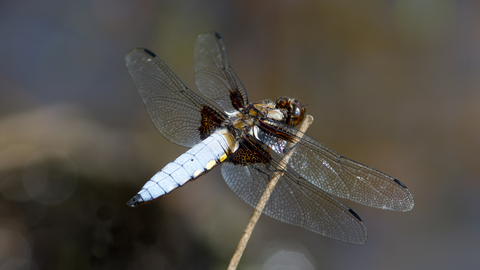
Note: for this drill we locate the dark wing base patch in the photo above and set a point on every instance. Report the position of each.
(249, 152)
(211, 120)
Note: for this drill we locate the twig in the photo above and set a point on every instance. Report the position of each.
(264, 199)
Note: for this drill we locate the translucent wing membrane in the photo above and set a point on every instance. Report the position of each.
(173, 108)
(345, 178)
(295, 201)
(214, 76)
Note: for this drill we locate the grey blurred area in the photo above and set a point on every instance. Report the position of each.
(391, 84)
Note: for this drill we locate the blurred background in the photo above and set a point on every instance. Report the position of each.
(391, 84)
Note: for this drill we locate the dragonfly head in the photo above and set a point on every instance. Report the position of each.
(295, 110)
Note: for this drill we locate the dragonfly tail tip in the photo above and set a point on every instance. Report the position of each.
(135, 201)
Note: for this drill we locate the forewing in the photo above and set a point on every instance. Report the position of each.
(214, 76)
(345, 178)
(174, 109)
(295, 201)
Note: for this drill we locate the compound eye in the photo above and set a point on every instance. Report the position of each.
(297, 113)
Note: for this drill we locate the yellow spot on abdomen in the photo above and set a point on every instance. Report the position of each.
(197, 173)
(223, 157)
(210, 164)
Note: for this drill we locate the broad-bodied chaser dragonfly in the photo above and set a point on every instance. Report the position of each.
(250, 139)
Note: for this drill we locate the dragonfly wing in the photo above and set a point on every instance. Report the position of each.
(175, 110)
(214, 76)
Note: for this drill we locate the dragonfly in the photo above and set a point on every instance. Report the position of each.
(251, 140)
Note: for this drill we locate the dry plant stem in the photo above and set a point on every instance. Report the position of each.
(263, 200)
